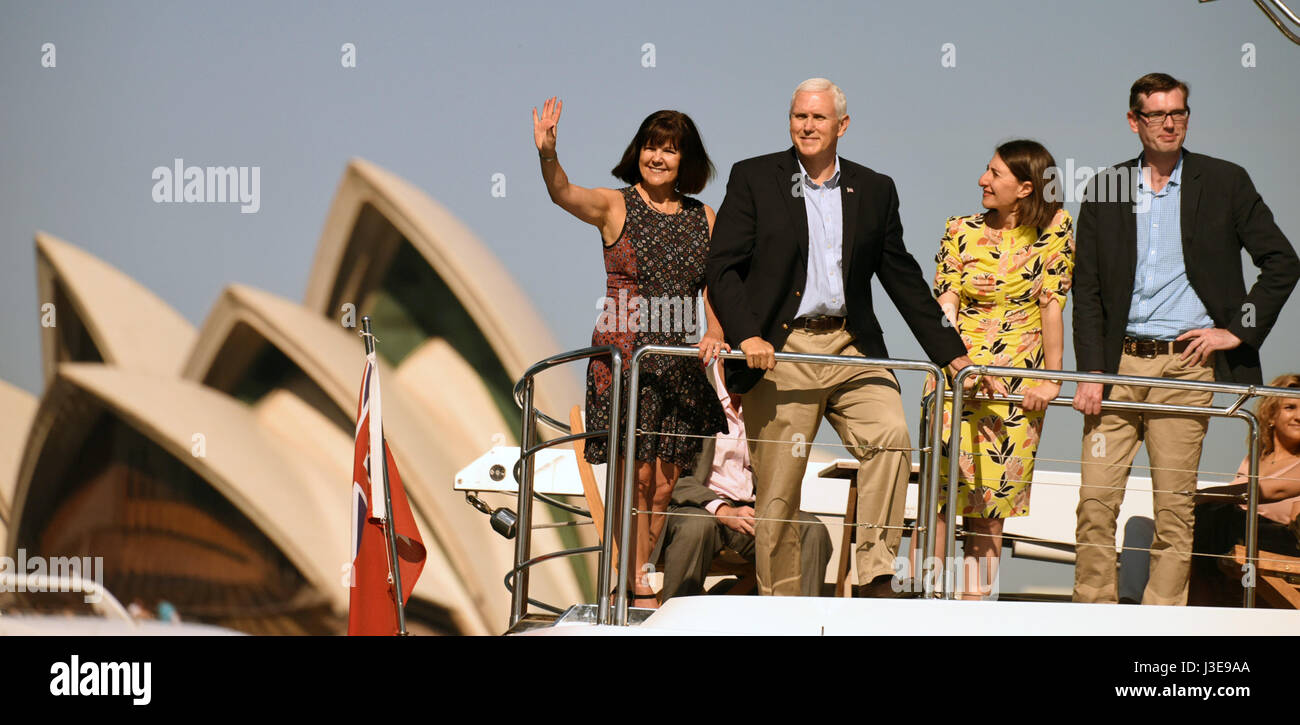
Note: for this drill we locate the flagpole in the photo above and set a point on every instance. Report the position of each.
(389, 525)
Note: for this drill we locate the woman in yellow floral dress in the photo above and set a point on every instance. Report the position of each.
(1002, 279)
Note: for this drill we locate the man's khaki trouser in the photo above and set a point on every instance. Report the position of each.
(864, 407)
(1110, 441)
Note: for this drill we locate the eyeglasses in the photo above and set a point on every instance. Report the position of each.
(1158, 118)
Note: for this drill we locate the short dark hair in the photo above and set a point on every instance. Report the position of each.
(1030, 161)
(676, 128)
(1154, 83)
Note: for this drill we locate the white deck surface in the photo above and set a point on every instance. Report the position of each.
(808, 616)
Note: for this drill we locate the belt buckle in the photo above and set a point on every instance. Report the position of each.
(1145, 349)
(820, 323)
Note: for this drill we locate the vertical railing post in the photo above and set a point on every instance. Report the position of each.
(629, 492)
(954, 475)
(920, 529)
(935, 433)
(524, 537)
(611, 489)
(1252, 509)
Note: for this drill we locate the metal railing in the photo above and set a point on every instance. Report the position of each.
(630, 448)
(930, 430)
(1235, 410)
(1277, 21)
(527, 449)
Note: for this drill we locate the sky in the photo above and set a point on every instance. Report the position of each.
(441, 95)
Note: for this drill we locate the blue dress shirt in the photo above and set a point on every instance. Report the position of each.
(1164, 305)
(823, 292)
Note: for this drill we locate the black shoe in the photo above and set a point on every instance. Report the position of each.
(885, 586)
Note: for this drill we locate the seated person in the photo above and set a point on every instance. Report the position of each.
(718, 500)
(1221, 521)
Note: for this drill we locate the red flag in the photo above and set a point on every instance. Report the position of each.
(372, 607)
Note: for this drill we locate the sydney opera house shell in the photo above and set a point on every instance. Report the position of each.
(211, 467)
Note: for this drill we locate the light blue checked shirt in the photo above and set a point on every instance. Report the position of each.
(1164, 305)
(823, 292)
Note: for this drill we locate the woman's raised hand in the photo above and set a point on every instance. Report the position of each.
(544, 127)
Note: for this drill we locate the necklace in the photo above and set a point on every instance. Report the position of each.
(1277, 456)
(650, 203)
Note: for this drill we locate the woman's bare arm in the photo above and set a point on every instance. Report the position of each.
(949, 301)
(599, 207)
(1053, 334)
(713, 338)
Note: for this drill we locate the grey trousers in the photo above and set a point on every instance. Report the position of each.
(691, 542)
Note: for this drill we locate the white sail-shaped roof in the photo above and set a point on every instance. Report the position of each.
(128, 325)
(19, 408)
(269, 486)
(428, 449)
(500, 309)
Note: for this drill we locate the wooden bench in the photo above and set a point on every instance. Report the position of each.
(1277, 576)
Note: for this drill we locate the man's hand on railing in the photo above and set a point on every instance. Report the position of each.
(759, 353)
(957, 364)
(990, 386)
(1087, 397)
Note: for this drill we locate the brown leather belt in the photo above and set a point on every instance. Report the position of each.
(1151, 348)
(820, 323)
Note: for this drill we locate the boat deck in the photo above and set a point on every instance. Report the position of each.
(813, 616)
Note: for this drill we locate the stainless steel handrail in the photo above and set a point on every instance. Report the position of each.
(1282, 7)
(1289, 33)
(1231, 411)
(523, 392)
(930, 427)
(629, 453)
(554, 361)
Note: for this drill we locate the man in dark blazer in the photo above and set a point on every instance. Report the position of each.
(798, 237)
(1158, 292)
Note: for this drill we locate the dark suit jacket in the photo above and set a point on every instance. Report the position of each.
(758, 262)
(1220, 214)
(693, 489)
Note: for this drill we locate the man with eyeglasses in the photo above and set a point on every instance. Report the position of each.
(1158, 292)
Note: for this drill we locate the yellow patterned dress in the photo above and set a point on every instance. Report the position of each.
(1001, 278)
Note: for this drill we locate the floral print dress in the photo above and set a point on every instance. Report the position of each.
(1001, 278)
(653, 273)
